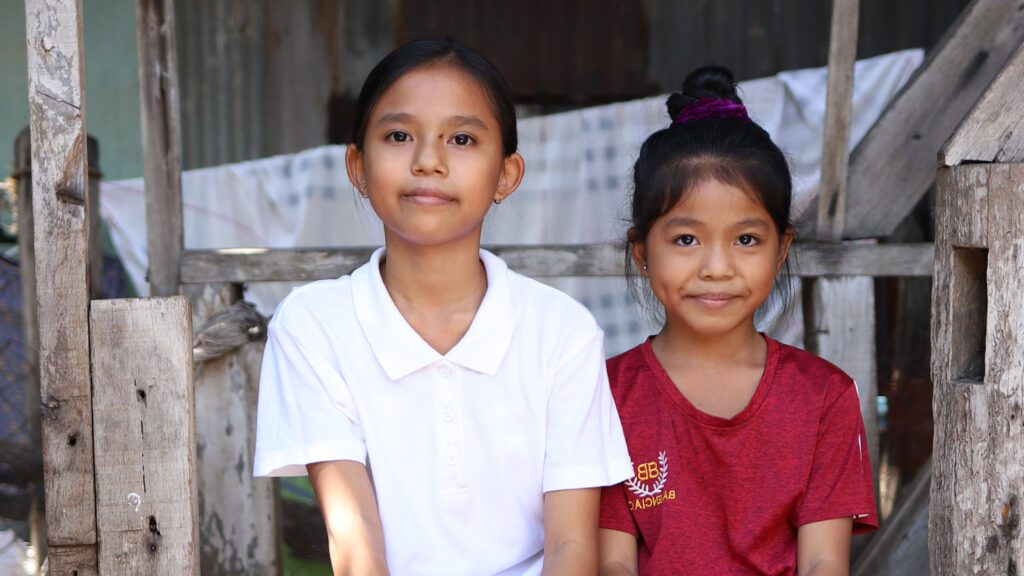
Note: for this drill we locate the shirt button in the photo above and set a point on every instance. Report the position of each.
(447, 415)
(445, 372)
(452, 460)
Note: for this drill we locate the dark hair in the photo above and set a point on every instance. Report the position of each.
(426, 51)
(732, 150)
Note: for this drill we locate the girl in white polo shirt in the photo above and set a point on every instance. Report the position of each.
(453, 416)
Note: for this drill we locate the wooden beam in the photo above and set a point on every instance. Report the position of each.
(835, 157)
(161, 143)
(900, 547)
(239, 519)
(994, 130)
(894, 165)
(977, 494)
(143, 410)
(60, 211)
(302, 265)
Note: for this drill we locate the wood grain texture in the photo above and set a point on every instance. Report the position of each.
(978, 480)
(61, 236)
(894, 165)
(835, 156)
(161, 143)
(238, 514)
(300, 265)
(994, 129)
(839, 318)
(143, 410)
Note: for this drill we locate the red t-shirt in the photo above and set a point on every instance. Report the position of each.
(713, 495)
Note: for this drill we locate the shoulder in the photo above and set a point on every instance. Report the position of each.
(313, 306)
(536, 302)
(812, 374)
(629, 376)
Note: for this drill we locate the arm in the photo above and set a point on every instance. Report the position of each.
(570, 532)
(617, 553)
(349, 507)
(823, 548)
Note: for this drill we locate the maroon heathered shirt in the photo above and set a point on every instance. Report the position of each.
(725, 496)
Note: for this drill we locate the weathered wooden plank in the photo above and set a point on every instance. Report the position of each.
(839, 318)
(238, 514)
(900, 547)
(842, 53)
(161, 143)
(61, 236)
(992, 132)
(978, 481)
(923, 116)
(143, 412)
(305, 264)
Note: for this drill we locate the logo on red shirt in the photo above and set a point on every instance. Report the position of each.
(648, 483)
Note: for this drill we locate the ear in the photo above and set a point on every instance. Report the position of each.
(784, 245)
(637, 250)
(354, 166)
(512, 170)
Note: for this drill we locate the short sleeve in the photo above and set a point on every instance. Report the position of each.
(305, 412)
(615, 514)
(840, 483)
(584, 444)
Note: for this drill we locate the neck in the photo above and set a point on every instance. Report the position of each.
(739, 346)
(434, 276)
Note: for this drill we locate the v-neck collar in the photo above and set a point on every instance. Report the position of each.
(668, 388)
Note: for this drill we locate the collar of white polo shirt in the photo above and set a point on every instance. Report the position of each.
(401, 351)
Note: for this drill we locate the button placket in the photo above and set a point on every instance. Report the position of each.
(449, 448)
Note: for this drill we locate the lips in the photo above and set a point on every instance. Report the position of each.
(428, 197)
(714, 300)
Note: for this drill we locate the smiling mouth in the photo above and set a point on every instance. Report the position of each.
(427, 197)
(714, 300)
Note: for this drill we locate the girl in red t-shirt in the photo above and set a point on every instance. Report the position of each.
(749, 456)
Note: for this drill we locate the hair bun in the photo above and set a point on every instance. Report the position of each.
(705, 82)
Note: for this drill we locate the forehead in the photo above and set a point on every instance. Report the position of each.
(713, 200)
(436, 89)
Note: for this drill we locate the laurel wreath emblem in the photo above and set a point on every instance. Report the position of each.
(642, 489)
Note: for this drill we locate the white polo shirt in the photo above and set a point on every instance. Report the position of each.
(461, 447)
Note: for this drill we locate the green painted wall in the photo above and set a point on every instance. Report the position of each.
(111, 84)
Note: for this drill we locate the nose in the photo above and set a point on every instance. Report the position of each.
(717, 263)
(430, 158)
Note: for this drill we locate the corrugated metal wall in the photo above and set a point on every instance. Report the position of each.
(264, 77)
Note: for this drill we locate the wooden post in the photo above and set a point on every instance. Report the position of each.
(842, 53)
(145, 436)
(978, 342)
(161, 143)
(839, 319)
(978, 339)
(238, 514)
(60, 207)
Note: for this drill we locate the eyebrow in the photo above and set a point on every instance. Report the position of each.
(694, 222)
(406, 118)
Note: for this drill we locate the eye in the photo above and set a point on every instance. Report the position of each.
(397, 136)
(686, 240)
(747, 240)
(462, 139)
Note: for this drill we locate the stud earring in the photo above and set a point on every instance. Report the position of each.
(498, 200)
(644, 268)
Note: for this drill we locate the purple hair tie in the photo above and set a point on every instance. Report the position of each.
(711, 108)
